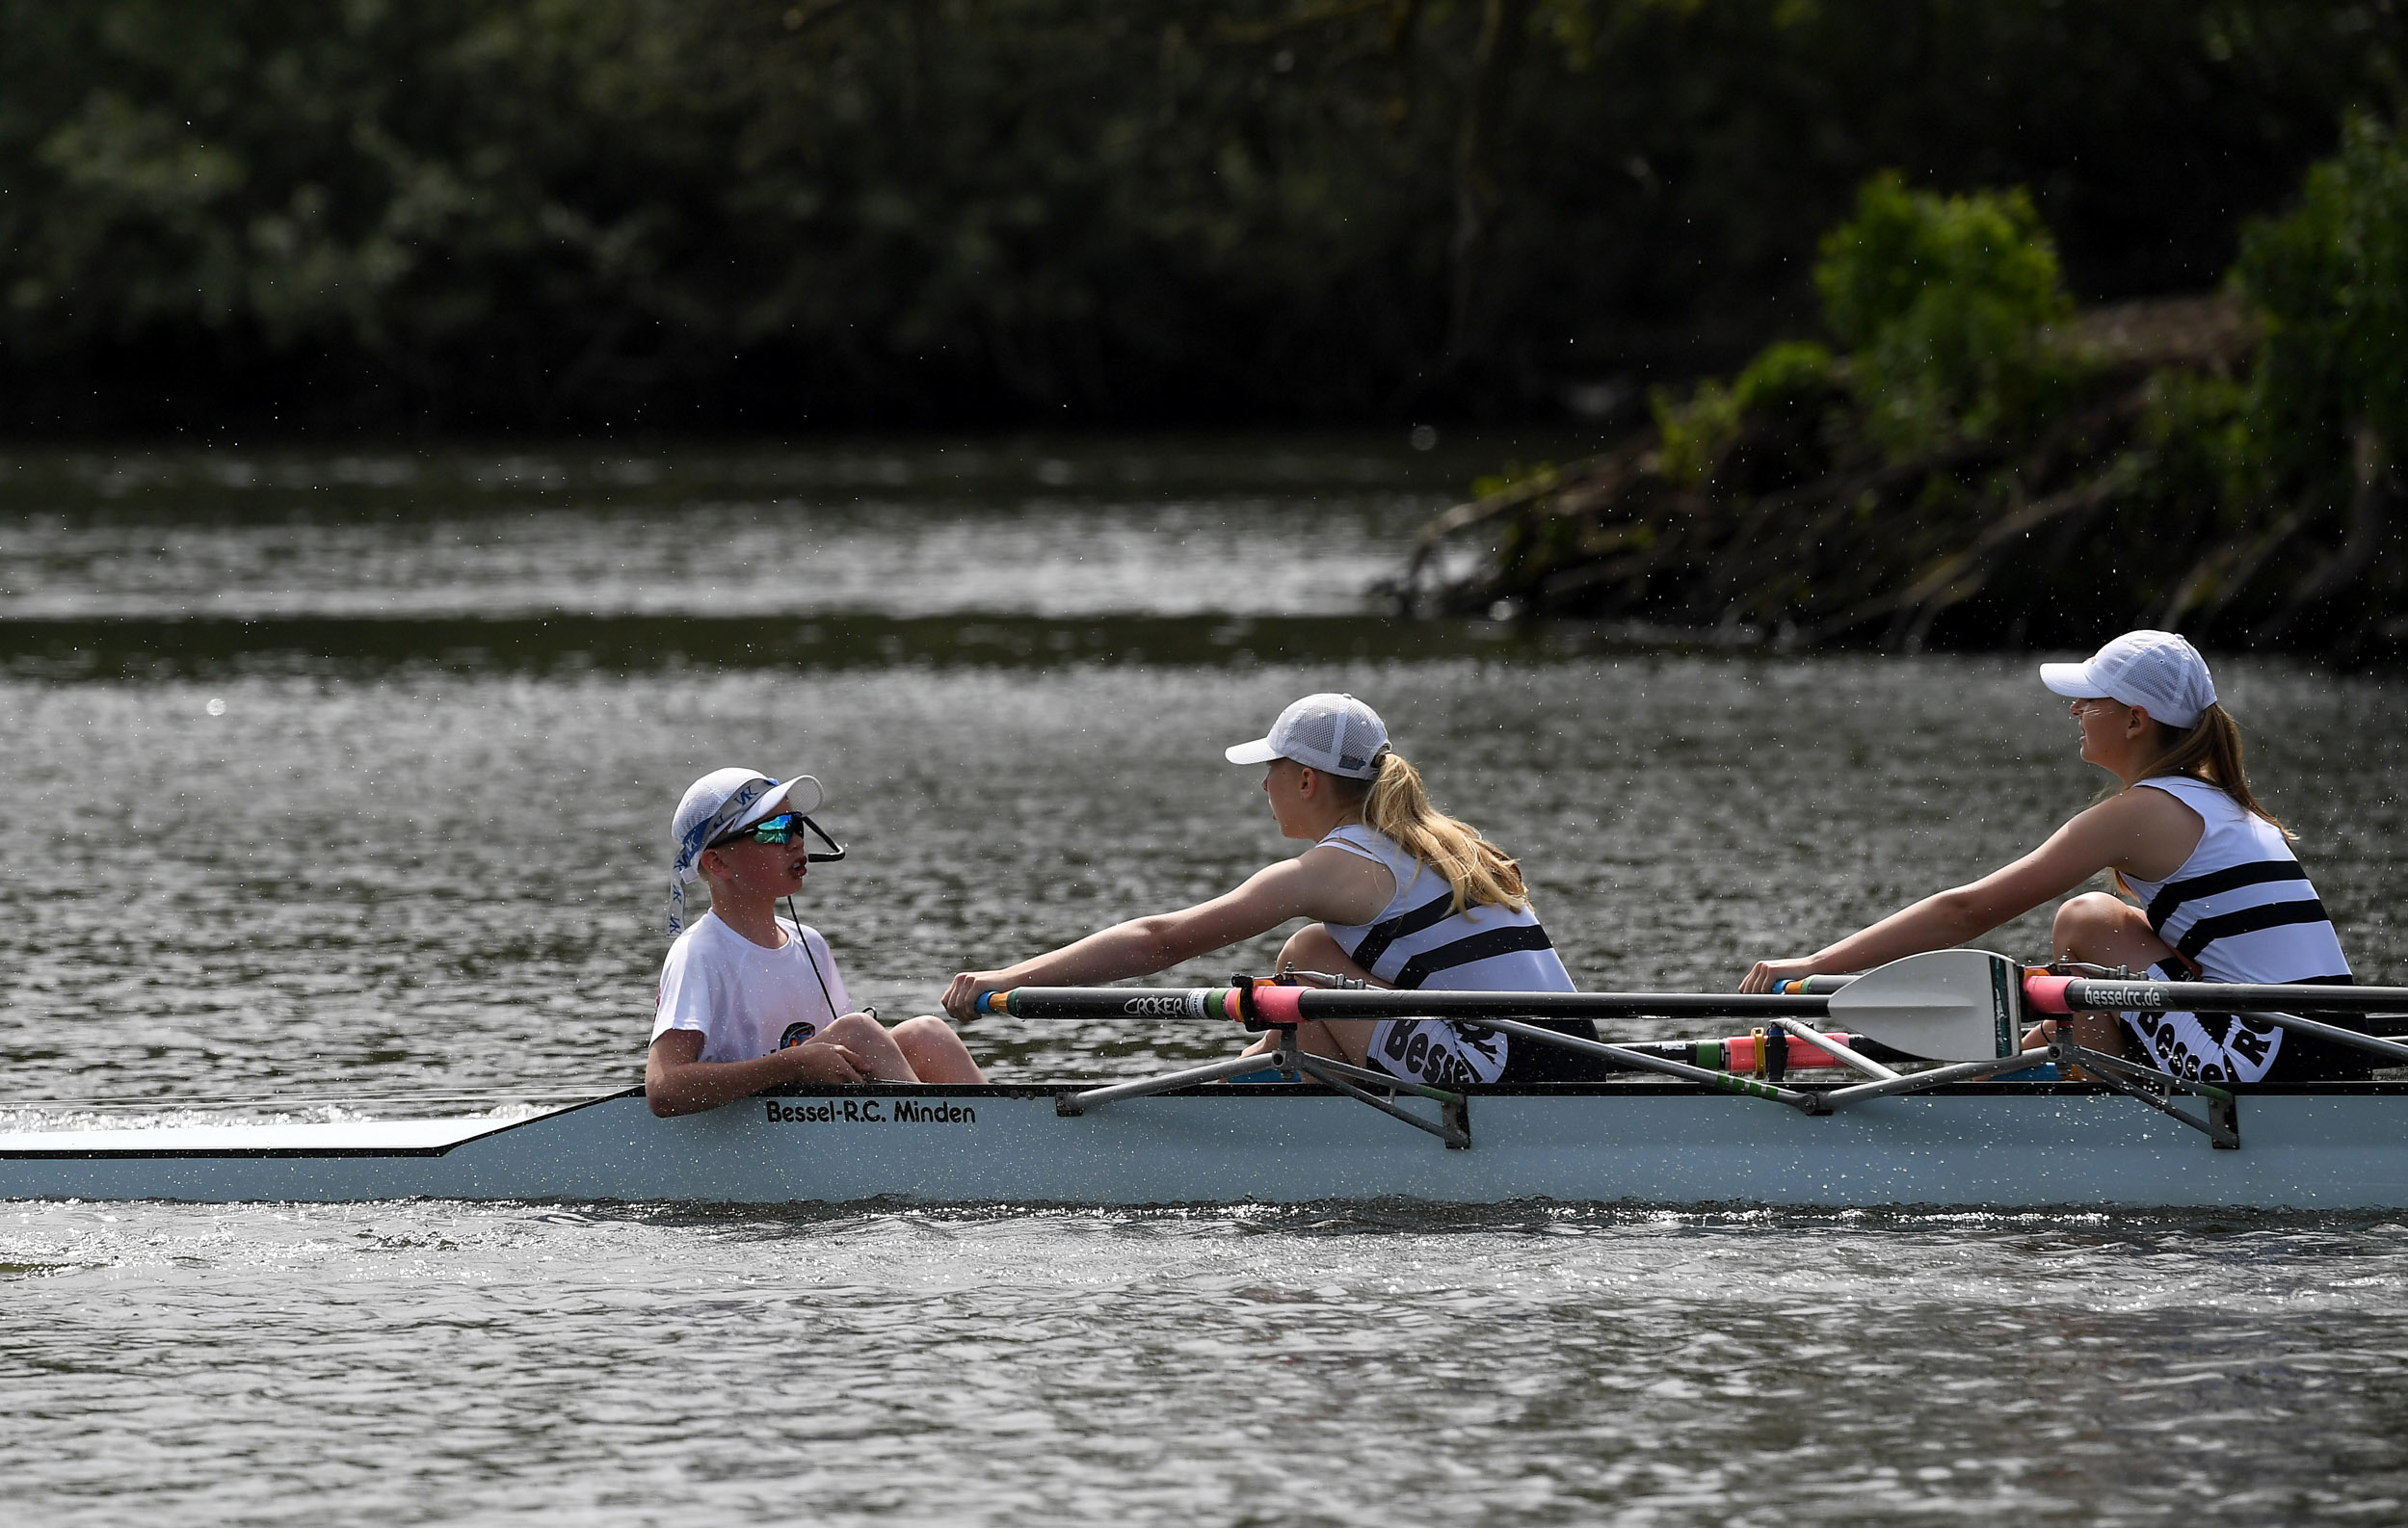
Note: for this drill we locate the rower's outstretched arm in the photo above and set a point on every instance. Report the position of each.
(1318, 883)
(2106, 836)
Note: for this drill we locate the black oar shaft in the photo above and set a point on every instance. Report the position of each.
(2096, 996)
(1370, 1004)
(1223, 1002)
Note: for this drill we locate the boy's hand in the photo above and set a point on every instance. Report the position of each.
(820, 1061)
(965, 991)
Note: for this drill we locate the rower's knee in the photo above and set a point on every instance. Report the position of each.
(935, 1053)
(1312, 948)
(925, 1032)
(2092, 925)
(854, 1030)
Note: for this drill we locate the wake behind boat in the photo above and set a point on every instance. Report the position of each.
(1700, 1135)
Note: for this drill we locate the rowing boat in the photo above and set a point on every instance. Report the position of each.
(1958, 1135)
(1973, 1145)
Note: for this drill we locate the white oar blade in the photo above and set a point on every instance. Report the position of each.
(1944, 1005)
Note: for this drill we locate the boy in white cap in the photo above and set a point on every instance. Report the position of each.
(750, 1000)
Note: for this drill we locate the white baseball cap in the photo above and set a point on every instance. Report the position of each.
(2155, 670)
(1335, 733)
(718, 804)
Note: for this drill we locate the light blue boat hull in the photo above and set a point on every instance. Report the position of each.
(1997, 1147)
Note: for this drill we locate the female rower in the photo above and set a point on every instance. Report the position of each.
(1402, 895)
(2217, 894)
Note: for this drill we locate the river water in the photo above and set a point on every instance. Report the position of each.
(339, 785)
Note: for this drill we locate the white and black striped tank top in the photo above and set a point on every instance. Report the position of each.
(1420, 940)
(2240, 907)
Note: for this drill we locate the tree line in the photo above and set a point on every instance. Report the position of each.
(794, 214)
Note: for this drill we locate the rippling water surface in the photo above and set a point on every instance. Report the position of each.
(308, 880)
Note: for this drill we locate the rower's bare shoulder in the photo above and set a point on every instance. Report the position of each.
(1331, 861)
(1342, 874)
(2144, 831)
(2161, 811)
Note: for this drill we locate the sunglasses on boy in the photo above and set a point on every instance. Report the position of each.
(784, 828)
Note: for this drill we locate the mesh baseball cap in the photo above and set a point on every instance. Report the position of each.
(1335, 733)
(718, 804)
(2155, 670)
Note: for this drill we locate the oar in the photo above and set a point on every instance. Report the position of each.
(1943, 1005)
(2075, 994)
(1948, 1005)
(1289, 1005)
(1265, 1005)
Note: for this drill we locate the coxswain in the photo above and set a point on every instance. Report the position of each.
(750, 1000)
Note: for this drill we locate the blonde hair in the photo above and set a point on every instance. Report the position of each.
(2212, 752)
(1394, 804)
(2209, 751)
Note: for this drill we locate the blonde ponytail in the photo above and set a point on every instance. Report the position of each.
(1394, 804)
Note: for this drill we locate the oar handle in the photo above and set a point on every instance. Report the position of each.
(1813, 986)
(1117, 1002)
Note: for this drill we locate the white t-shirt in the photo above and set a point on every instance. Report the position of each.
(746, 1001)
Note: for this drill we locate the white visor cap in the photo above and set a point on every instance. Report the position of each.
(1335, 733)
(718, 804)
(725, 800)
(2156, 670)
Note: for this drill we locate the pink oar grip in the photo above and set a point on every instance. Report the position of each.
(1739, 1053)
(2046, 994)
(1279, 1005)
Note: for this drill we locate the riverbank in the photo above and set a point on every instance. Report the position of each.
(1973, 464)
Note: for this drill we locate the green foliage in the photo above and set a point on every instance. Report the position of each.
(1943, 300)
(1695, 434)
(2197, 432)
(765, 213)
(2332, 281)
(1788, 379)
(1534, 479)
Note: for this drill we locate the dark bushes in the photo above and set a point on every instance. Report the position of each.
(733, 213)
(1976, 469)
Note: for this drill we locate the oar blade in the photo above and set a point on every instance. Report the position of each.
(1943, 1005)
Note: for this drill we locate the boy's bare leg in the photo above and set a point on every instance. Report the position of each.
(880, 1059)
(935, 1051)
